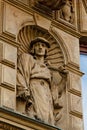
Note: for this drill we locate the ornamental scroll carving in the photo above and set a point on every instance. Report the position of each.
(41, 76)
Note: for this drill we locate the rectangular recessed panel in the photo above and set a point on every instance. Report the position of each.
(8, 98)
(8, 76)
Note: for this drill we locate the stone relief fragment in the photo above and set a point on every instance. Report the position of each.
(64, 7)
(67, 11)
(41, 76)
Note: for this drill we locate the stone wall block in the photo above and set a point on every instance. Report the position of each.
(8, 76)
(75, 103)
(42, 22)
(83, 16)
(14, 18)
(75, 123)
(7, 98)
(71, 45)
(8, 53)
(75, 82)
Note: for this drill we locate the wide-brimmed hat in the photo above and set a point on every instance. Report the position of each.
(39, 39)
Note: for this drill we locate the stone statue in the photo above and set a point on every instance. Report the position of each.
(67, 11)
(37, 88)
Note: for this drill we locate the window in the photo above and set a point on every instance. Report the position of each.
(83, 67)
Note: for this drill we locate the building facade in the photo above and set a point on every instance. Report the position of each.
(63, 24)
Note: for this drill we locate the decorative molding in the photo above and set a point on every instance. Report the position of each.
(8, 77)
(73, 67)
(6, 126)
(66, 14)
(9, 41)
(76, 114)
(20, 5)
(69, 28)
(22, 121)
(66, 28)
(75, 92)
(26, 2)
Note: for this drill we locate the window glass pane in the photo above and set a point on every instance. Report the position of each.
(83, 66)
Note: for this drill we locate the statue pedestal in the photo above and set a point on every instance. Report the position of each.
(14, 120)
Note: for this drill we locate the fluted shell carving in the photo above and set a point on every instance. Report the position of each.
(28, 33)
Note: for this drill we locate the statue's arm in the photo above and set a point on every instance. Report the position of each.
(59, 78)
(25, 64)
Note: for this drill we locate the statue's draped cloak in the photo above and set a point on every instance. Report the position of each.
(35, 78)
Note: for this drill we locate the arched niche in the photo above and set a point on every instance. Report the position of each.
(57, 56)
(57, 52)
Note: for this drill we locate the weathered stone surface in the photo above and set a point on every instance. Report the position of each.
(75, 82)
(37, 92)
(14, 19)
(83, 17)
(14, 120)
(40, 20)
(7, 98)
(72, 45)
(24, 1)
(64, 51)
(8, 76)
(8, 53)
(75, 103)
(75, 123)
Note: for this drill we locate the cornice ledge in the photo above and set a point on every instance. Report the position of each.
(73, 67)
(75, 92)
(22, 119)
(20, 5)
(10, 41)
(70, 29)
(76, 114)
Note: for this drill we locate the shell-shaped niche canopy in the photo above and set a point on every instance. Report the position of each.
(28, 33)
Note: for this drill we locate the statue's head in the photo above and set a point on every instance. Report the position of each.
(39, 46)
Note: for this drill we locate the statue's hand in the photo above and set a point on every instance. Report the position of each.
(24, 95)
(63, 71)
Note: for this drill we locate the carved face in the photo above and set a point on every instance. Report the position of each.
(40, 48)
